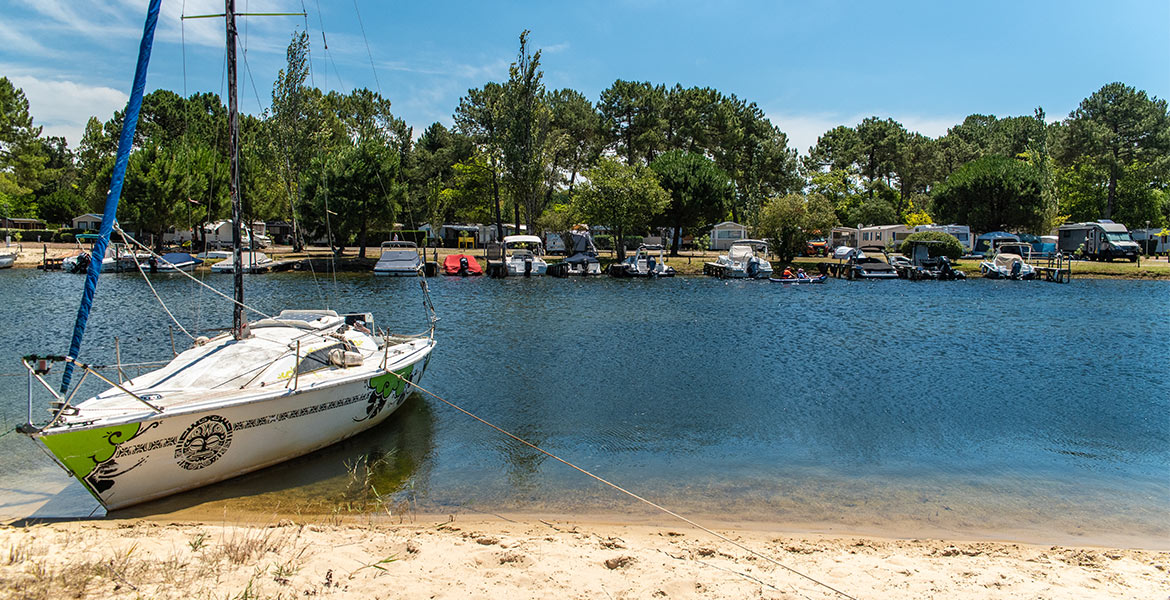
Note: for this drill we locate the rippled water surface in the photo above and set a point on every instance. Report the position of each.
(1033, 410)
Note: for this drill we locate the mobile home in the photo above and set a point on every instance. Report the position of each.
(879, 237)
(961, 233)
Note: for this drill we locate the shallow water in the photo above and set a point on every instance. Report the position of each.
(1026, 409)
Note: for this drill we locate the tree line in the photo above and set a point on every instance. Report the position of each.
(342, 167)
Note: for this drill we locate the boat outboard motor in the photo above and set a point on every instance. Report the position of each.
(463, 266)
(527, 267)
(753, 268)
(1017, 266)
(650, 266)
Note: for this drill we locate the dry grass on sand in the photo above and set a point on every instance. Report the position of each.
(494, 558)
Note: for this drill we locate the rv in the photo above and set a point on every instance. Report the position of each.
(1100, 240)
(961, 233)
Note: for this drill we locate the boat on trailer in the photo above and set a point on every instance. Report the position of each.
(260, 394)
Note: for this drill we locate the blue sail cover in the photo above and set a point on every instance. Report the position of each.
(109, 216)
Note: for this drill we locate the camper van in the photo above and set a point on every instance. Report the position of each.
(1100, 240)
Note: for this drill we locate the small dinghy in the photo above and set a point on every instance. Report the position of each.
(461, 265)
(799, 281)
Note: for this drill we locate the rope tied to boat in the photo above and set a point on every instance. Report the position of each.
(621, 489)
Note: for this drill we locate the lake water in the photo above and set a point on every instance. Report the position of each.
(1020, 410)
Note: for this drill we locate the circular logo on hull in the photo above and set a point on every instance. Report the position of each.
(204, 442)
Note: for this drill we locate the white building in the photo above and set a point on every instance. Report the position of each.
(87, 222)
(722, 234)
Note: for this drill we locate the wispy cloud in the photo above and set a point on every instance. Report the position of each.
(62, 107)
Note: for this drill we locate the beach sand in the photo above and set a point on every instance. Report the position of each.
(531, 557)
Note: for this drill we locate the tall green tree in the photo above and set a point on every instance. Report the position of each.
(1115, 128)
(352, 189)
(632, 119)
(698, 190)
(293, 117)
(528, 123)
(623, 198)
(480, 117)
(22, 154)
(789, 221)
(992, 193)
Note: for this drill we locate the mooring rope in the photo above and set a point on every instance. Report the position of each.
(622, 489)
(157, 297)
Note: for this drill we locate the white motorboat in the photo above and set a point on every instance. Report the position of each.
(399, 259)
(7, 259)
(644, 263)
(522, 255)
(261, 394)
(1009, 263)
(253, 262)
(744, 259)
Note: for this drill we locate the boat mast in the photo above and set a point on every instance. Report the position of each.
(239, 326)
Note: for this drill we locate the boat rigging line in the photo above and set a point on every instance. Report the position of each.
(621, 489)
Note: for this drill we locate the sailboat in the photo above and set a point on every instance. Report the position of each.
(270, 390)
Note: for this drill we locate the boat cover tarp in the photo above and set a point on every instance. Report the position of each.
(451, 265)
(398, 260)
(581, 258)
(180, 258)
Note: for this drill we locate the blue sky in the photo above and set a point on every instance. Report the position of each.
(809, 65)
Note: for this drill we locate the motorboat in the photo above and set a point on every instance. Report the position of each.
(644, 263)
(462, 265)
(581, 264)
(398, 259)
(869, 267)
(7, 259)
(744, 259)
(582, 259)
(1009, 263)
(522, 255)
(256, 395)
(253, 262)
(116, 258)
(173, 262)
(920, 265)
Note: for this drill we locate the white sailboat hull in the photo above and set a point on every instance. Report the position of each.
(148, 456)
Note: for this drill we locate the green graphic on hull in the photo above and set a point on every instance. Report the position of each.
(385, 387)
(83, 451)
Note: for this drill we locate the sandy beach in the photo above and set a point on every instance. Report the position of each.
(530, 557)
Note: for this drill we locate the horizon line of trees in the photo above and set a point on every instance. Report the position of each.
(642, 156)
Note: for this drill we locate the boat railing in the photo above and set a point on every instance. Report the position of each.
(39, 366)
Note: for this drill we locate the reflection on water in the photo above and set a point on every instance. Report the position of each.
(960, 406)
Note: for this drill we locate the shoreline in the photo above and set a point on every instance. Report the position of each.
(688, 264)
(500, 557)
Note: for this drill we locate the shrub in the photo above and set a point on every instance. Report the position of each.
(950, 248)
